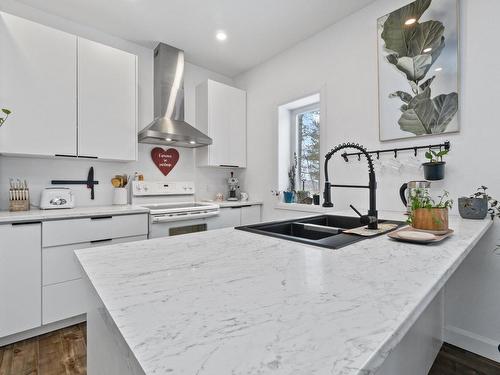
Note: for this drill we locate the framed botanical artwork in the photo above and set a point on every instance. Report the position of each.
(418, 70)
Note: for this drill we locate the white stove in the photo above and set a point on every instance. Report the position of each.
(172, 208)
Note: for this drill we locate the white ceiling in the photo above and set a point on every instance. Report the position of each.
(256, 29)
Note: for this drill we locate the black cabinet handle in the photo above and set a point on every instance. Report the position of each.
(26, 223)
(228, 166)
(87, 157)
(65, 156)
(105, 240)
(101, 217)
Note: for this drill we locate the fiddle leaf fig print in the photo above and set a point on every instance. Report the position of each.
(6, 112)
(413, 48)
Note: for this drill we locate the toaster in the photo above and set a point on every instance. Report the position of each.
(57, 198)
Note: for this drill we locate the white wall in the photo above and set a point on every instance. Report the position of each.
(39, 172)
(343, 60)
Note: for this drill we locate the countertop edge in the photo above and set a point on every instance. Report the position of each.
(380, 355)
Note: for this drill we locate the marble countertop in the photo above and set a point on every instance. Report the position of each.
(68, 213)
(232, 302)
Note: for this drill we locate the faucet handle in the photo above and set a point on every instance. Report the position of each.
(355, 210)
(371, 221)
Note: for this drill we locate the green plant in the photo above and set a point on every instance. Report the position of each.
(434, 156)
(6, 112)
(420, 198)
(413, 47)
(493, 205)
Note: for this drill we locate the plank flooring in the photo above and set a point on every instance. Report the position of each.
(455, 361)
(64, 352)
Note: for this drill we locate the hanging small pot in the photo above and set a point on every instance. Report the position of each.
(434, 171)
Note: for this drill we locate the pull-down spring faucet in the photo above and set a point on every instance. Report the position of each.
(372, 218)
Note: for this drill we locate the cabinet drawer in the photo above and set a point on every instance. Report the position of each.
(64, 232)
(64, 300)
(59, 263)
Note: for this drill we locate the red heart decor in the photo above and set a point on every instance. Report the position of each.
(165, 160)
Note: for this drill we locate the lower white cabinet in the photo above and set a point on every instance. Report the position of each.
(40, 278)
(20, 277)
(236, 216)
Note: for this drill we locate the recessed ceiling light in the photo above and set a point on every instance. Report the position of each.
(192, 142)
(427, 50)
(168, 139)
(410, 21)
(438, 69)
(221, 35)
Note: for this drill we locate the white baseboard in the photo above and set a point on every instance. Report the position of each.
(472, 342)
(42, 330)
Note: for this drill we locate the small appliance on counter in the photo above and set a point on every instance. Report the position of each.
(406, 190)
(233, 188)
(53, 198)
(19, 196)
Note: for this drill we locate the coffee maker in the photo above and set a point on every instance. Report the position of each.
(233, 188)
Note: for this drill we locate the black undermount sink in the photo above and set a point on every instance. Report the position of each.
(324, 230)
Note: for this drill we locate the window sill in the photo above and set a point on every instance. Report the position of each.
(301, 207)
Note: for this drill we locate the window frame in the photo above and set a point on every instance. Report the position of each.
(295, 137)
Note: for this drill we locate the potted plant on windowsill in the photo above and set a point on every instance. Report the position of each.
(292, 175)
(426, 213)
(6, 112)
(434, 168)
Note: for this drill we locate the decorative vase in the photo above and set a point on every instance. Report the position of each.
(434, 171)
(288, 196)
(473, 208)
(430, 219)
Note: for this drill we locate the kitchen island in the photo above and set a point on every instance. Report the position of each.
(233, 302)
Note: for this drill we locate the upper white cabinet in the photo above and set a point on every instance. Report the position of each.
(221, 114)
(107, 102)
(38, 84)
(20, 277)
(68, 95)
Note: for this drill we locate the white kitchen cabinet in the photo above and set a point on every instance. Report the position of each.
(20, 277)
(236, 216)
(221, 114)
(38, 84)
(107, 102)
(250, 215)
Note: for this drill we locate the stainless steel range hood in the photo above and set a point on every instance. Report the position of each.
(169, 127)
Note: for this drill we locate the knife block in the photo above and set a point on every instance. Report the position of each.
(19, 205)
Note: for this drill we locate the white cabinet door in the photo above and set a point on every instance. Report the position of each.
(250, 215)
(38, 84)
(221, 112)
(20, 277)
(228, 217)
(107, 102)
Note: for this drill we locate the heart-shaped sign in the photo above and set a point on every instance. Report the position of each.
(165, 160)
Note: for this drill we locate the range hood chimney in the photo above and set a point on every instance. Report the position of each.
(169, 127)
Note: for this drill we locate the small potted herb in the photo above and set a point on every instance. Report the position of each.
(434, 168)
(292, 176)
(428, 214)
(476, 205)
(5, 112)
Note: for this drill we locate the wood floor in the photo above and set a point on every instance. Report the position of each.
(64, 352)
(455, 361)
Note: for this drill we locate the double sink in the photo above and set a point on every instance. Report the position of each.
(323, 230)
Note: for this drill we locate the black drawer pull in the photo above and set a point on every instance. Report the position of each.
(101, 217)
(87, 157)
(65, 156)
(27, 223)
(105, 240)
(228, 166)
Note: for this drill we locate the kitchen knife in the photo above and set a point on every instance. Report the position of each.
(90, 182)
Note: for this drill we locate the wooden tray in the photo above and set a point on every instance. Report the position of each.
(438, 236)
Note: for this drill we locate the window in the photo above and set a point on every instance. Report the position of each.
(306, 147)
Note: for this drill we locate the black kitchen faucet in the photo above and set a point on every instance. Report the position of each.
(372, 218)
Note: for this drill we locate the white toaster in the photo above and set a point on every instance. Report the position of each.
(57, 198)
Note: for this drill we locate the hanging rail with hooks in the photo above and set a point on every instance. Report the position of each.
(446, 145)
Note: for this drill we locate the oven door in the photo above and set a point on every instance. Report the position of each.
(166, 226)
